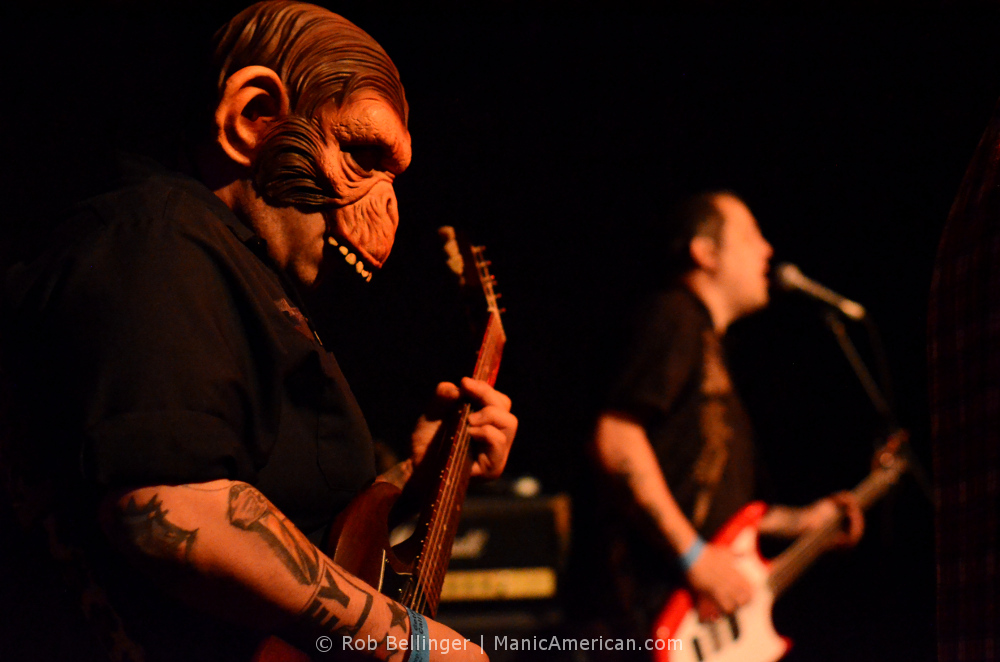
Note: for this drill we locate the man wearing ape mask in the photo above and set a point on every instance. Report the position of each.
(204, 437)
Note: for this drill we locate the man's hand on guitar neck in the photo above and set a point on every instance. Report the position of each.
(719, 585)
(491, 425)
(792, 522)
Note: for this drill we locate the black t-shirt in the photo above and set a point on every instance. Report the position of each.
(153, 343)
(674, 381)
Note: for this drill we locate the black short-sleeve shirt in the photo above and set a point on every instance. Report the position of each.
(154, 343)
(676, 383)
(173, 352)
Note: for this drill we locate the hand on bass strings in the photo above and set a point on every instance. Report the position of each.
(843, 504)
(718, 585)
(792, 522)
(491, 425)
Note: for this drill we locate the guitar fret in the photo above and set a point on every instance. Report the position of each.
(791, 563)
(750, 626)
(431, 564)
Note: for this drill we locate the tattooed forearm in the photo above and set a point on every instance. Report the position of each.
(399, 617)
(147, 528)
(340, 606)
(251, 511)
(636, 486)
(332, 597)
(317, 611)
(224, 548)
(635, 483)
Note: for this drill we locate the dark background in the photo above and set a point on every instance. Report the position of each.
(556, 135)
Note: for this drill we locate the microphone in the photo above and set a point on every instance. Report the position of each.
(790, 278)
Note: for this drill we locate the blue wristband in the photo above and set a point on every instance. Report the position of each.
(420, 643)
(693, 553)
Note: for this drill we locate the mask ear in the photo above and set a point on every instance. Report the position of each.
(704, 253)
(252, 100)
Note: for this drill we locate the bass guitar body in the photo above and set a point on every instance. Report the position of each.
(359, 542)
(748, 634)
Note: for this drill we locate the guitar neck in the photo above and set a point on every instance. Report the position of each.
(455, 468)
(791, 563)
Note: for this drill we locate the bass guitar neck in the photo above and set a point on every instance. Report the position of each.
(412, 572)
(748, 635)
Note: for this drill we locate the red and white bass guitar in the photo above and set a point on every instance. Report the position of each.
(748, 634)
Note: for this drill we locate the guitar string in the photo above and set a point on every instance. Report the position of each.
(431, 560)
(439, 522)
(800, 556)
(430, 556)
(450, 487)
(435, 577)
(430, 565)
(430, 571)
(442, 517)
(803, 554)
(430, 578)
(434, 580)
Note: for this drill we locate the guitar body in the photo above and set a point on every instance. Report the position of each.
(745, 636)
(413, 571)
(359, 541)
(748, 634)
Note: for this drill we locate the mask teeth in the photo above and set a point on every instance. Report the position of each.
(351, 259)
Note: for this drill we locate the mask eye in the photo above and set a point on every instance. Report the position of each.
(366, 157)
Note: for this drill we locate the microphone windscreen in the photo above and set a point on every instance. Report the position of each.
(788, 276)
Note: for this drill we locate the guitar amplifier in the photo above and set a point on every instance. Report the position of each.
(508, 549)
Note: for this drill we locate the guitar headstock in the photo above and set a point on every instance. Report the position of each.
(888, 465)
(477, 287)
(470, 266)
(892, 454)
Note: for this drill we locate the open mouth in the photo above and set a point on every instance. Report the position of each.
(351, 258)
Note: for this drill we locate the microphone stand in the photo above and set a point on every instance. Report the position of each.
(876, 396)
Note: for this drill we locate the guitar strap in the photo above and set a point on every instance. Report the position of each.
(716, 433)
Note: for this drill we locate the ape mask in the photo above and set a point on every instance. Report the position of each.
(344, 137)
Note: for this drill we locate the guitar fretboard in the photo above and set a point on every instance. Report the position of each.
(791, 563)
(423, 594)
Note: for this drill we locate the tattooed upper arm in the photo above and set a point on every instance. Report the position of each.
(144, 526)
